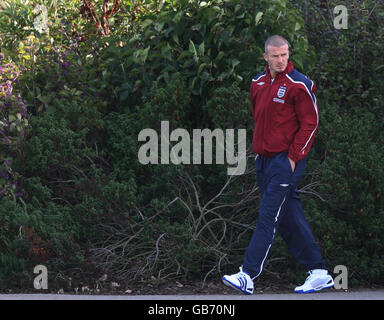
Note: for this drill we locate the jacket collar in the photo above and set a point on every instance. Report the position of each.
(288, 69)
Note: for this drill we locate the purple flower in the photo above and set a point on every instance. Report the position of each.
(66, 64)
(4, 175)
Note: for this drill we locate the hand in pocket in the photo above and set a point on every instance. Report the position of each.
(293, 165)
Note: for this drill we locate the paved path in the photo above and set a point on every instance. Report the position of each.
(326, 295)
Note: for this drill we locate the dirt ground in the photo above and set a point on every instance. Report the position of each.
(107, 286)
(178, 287)
(153, 287)
(200, 288)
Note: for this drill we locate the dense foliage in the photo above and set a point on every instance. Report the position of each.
(80, 81)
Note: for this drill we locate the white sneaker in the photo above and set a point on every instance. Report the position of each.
(240, 281)
(317, 280)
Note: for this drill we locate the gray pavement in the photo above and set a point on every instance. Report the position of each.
(325, 295)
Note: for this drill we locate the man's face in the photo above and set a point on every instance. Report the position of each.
(277, 58)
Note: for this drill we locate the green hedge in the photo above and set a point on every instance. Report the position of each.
(89, 207)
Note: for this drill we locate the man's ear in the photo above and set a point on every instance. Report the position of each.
(265, 56)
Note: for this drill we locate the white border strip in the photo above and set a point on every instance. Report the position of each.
(314, 101)
(263, 75)
(269, 247)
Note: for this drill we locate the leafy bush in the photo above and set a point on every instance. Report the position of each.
(347, 173)
(186, 66)
(88, 204)
(13, 125)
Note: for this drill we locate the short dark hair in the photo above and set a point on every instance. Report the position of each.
(275, 41)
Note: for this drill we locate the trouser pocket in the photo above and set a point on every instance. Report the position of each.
(282, 165)
(288, 163)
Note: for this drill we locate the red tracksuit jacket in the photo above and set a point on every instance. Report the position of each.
(285, 113)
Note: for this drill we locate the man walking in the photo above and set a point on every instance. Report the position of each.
(286, 118)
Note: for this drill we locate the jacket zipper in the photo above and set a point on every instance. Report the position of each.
(269, 97)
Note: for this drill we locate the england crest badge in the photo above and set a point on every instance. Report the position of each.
(281, 91)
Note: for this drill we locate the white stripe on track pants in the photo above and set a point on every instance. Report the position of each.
(280, 210)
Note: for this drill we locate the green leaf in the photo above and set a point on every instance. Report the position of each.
(220, 55)
(44, 99)
(201, 49)
(258, 17)
(235, 62)
(192, 49)
(177, 17)
(201, 67)
(159, 26)
(147, 22)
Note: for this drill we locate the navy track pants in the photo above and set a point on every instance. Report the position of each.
(280, 210)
